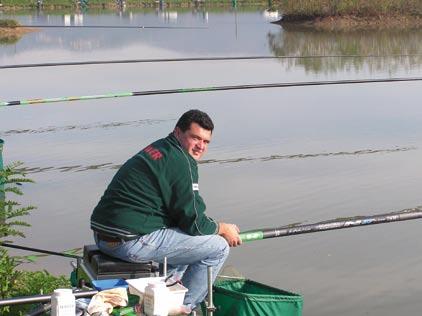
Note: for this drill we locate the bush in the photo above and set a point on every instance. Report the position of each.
(27, 283)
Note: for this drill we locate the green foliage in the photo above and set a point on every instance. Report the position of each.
(12, 177)
(25, 3)
(14, 282)
(8, 277)
(63, 3)
(40, 282)
(26, 283)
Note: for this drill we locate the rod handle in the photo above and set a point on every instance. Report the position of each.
(251, 235)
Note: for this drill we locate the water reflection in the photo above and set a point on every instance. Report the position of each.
(110, 165)
(53, 129)
(86, 38)
(76, 19)
(305, 41)
(271, 15)
(8, 39)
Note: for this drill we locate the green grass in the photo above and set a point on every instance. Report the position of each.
(358, 8)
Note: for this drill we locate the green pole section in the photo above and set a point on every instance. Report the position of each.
(251, 236)
(207, 89)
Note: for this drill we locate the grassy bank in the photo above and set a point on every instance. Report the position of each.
(352, 11)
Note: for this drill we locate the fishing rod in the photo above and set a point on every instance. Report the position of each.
(191, 59)
(48, 252)
(204, 89)
(109, 27)
(341, 223)
(289, 230)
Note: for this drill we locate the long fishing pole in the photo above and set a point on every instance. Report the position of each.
(48, 252)
(107, 27)
(204, 89)
(259, 234)
(191, 59)
(284, 231)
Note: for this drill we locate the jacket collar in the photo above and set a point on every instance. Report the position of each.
(173, 140)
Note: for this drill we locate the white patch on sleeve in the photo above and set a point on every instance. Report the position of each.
(195, 186)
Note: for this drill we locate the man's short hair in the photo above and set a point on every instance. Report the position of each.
(195, 116)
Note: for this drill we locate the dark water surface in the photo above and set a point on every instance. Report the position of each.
(278, 156)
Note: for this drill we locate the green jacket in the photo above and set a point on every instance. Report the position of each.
(157, 188)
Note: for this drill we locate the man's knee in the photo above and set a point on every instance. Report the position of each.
(222, 246)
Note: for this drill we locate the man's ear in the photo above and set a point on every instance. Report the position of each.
(176, 132)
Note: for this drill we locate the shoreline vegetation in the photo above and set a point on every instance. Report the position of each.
(344, 22)
(343, 14)
(13, 5)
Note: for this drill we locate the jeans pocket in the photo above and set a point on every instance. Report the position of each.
(141, 251)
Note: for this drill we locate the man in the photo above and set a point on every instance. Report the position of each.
(152, 209)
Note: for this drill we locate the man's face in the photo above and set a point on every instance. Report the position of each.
(194, 140)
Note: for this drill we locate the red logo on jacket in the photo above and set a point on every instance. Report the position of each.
(154, 153)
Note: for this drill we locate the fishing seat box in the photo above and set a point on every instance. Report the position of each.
(96, 265)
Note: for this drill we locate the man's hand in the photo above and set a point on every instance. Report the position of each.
(230, 232)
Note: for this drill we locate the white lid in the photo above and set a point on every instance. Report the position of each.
(63, 292)
(157, 284)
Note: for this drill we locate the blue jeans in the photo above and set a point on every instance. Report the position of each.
(187, 256)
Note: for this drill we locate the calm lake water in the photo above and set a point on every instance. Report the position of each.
(278, 156)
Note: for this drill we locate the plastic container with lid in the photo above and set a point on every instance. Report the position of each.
(156, 299)
(63, 303)
(176, 297)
